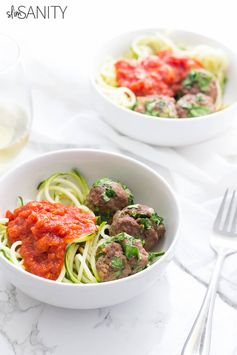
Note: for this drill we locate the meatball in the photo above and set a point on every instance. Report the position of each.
(156, 105)
(121, 256)
(107, 196)
(194, 105)
(199, 80)
(112, 264)
(141, 222)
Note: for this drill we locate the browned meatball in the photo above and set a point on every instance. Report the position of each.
(156, 105)
(107, 196)
(199, 80)
(141, 222)
(112, 264)
(137, 262)
(121, 256)
(194, 105)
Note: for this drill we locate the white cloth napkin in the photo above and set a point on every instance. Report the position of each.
(199, 173)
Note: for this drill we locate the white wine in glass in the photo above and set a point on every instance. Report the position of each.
(15, 102)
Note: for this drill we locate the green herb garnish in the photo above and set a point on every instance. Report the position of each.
(131, 251)
(102, 182)
(100, 254)
(117, 274)
(108, 193)
(120, 237)
(145, 222)
(195, 110)
(178, 95)
(117, 263)
(153, 255)
(202, 80)
(98, 220)
(130, 195)
(198, 110)
(156, 219)
(105, 216)
(138, 215)
(150, 105)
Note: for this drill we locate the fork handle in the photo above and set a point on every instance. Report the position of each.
(199, 338)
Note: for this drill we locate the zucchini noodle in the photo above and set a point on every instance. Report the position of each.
(11, 253)
(80, 260)
(107, 83)
(149, 45)
(79, 266)
(68, 188)
(213, 59)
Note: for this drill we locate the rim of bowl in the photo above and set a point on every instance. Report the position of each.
(106, 283)
(137, 114)
(17, 59)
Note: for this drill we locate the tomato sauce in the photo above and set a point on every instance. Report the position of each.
(155, 74)
(45, 229)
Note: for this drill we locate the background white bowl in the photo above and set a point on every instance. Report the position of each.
(160, 131)
(148, 188)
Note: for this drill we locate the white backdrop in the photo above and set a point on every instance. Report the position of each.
(69, 43)
(56, 56)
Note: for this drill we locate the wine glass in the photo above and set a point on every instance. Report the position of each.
(15, 102)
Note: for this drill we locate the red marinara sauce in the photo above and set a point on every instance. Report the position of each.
(155, 74)
(45, 229)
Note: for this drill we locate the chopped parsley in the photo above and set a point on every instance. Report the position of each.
(131, 251)
(102, 182)
(198, 110)
(105, 216)
(117, 274)
(145, 222)
(117, 263)
(199, 97)
(194, 109)
(108, 193)
(150, 105)
(119, 238)
(178, 95)
(138, 215)
(156, 219)
(153, 255)
(100, 254)
(154, 108)
(201, 79)
(130, 195)
(96, 209)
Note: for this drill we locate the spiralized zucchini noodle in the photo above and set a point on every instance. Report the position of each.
(69, 188)
(107, 82)
(213, 60)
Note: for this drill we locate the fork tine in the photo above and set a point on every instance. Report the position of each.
(228, 215)
(221, 209)
(234, 222)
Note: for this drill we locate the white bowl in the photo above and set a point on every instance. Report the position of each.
(148, 188)
(161, 131)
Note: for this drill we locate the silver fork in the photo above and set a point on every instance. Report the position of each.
(224, 243)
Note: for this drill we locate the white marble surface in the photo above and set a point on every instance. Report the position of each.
(56, 56)
(154, 323)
